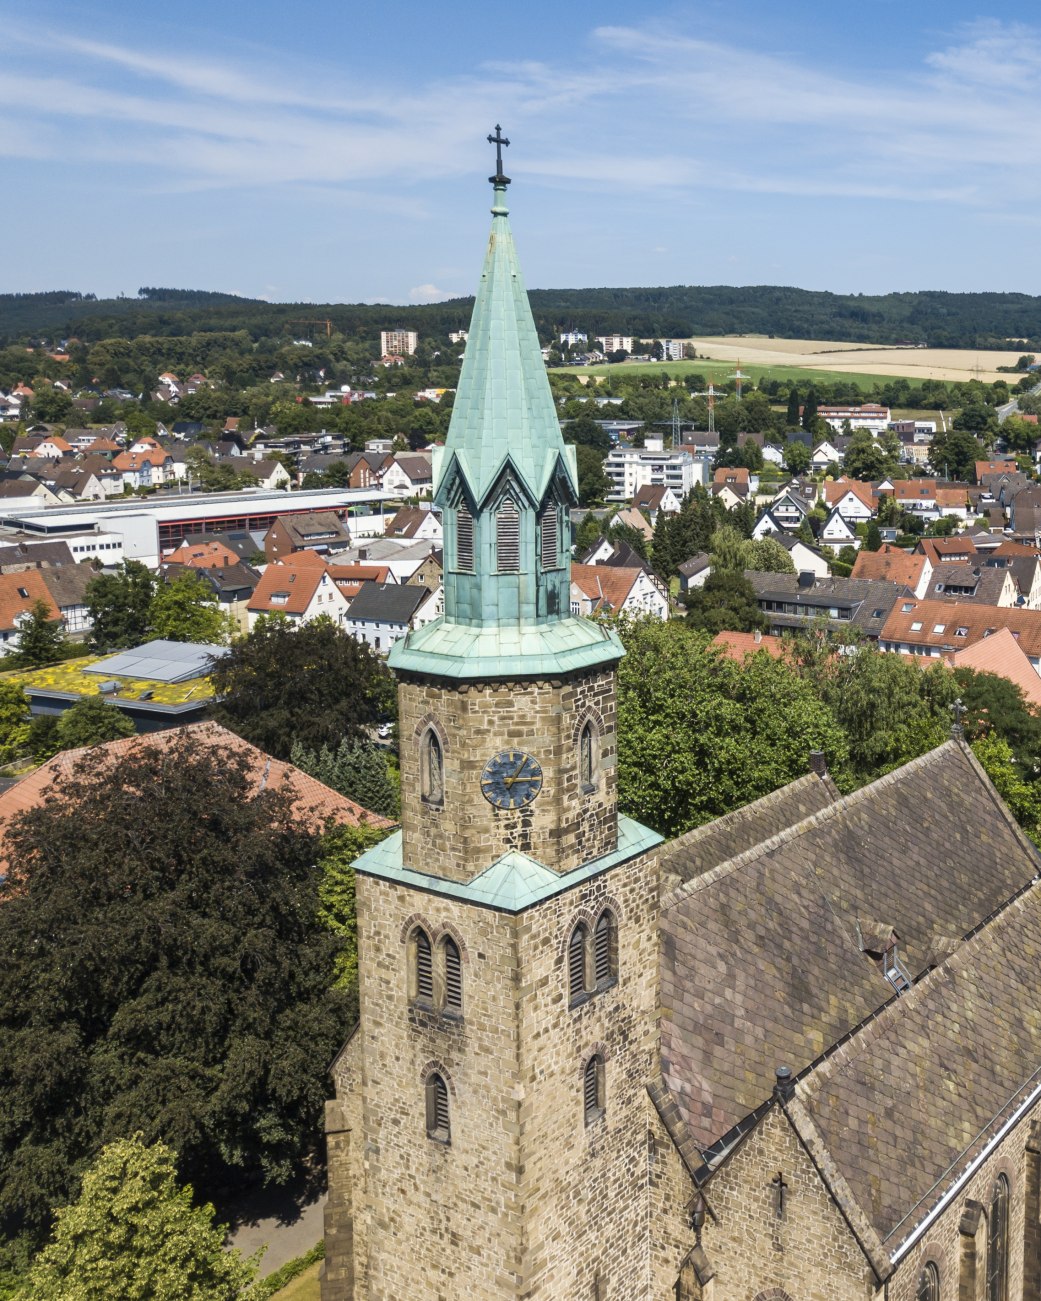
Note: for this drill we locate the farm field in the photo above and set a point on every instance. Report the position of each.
(832, 360)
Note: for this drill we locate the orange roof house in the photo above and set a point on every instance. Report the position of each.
(836, 489)
(18, 594)
(893, 565)
(1001, 653)
(299, 588)
(736, 645)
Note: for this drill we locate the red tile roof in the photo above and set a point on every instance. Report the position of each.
(13, 603)
(890, 563)
(736, 645)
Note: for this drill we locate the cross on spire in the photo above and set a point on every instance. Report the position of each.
(958, 710)
(498, 140)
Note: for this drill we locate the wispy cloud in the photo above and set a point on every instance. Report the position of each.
(686, 116)
(430, 294)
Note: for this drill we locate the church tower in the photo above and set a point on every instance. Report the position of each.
(488, 1139)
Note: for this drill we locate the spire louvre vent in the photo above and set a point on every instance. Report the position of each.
(507, 538)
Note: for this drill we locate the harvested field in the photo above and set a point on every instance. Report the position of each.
(857, 358)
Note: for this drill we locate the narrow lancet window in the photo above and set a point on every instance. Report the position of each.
(432, 772)
(576, 962)
(424, 968)
(587, 758)
(438, 1120)
(593, 1089)
(453, 977)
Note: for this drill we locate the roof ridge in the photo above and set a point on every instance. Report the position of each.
(797, 829)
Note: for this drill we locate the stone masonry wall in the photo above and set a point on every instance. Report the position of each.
(585, 1187)
(809, 1254)
(563, 827)
(441, 1221)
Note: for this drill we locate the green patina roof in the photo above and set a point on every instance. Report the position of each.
(456, 650)
(513, 882)
(504, 406)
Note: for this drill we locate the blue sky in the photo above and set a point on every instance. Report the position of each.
(336, 151)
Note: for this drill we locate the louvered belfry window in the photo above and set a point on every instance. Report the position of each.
(453, 977)
(424, 968)
(593, 1089)
(464, 539)
(550, 537)
(576, 961)
(438, 1120)
(507, 538)
(604, 948)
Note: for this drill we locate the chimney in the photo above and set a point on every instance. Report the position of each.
(784, 1087)
(758, 636)
(818, 763)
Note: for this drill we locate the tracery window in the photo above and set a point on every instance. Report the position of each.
(928, 1284)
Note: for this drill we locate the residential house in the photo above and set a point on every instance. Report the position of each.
(793, 601)
(1000, 466)
(837, 532)
(212, 550)
(144, 469)
(694, 572)
(429, 572)
(382, 613)
(895, 565)
(807, 560)
(269, 474)
(18, 594)
(630, 468)
(349, 578)
(18, 487)
(1025, 516)
(1001, 653)
(67, 586)
(791, 506)
(414, 524)
(321, 531)
(368, 468)
(610, 589)
(655, 499)
(738, 645)
(232, 583)
(855, 501)
(17, 557)
(986, 585)
(946, 549)
(409, 474)
(299, 589)
(936, 627)
(828, 452)
(1025, 564)
(613, 551)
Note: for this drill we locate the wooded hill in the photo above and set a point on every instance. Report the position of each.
(939, 319)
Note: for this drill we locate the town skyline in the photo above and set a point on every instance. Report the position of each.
(345, 160)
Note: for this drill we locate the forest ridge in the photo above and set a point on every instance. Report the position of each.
(933, 317)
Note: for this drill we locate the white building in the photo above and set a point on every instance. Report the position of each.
(632, 468)
(398, 343)
(869, 416)
(615, 342)
(573, 337)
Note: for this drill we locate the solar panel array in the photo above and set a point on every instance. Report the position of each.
(161, 661)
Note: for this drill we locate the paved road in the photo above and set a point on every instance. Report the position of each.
(1010, 408)
(287, 1230)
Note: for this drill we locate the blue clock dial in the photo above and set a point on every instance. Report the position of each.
(511, 779)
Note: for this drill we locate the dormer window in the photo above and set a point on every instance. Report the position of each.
(507, 538)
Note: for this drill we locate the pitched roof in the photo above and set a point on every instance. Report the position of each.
(407, 522)
(736, 645)
(1000, 653)
(941, 624)
(904, 1105)
(67, 584)
(939, 549)
(607, 586)
(287, 588)
(650, 496)
(761, 962)
(867, 600)
(12, 601)
(836, 489)
(314, 527)
(313, 803)
(387, 602)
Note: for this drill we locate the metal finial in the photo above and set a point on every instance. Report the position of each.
(958, 710)
(498, 140)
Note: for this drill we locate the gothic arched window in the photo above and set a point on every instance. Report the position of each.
(593, 1089)
(453, 975)
(507, 538)
(438, 1119)
(464, 539)
(928, 1284)
(431, 768)
(422, 967)
(605, 949)
(997, 1242)
(576, 962)
(588, 767)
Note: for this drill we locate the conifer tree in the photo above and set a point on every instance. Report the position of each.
(792, 417)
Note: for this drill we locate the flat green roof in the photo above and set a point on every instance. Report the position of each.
(78, 678)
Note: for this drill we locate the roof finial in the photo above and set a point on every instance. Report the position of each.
(959, 711)
(498, 140)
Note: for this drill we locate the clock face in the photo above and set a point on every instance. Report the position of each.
(511, 779)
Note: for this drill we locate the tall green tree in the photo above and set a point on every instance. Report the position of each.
(954, 452)
(797, 457)
(133, 1233)
(91, 721)
(809, 413)
(184, 608)
(357, 770)
(15, 720)
(311, 683)
(593, 483)
(791, 418)
(336, 892)
(119, 606)
(725, 602)
(699, 734)
(164, 970)
(41, 637)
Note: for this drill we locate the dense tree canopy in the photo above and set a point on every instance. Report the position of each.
(184, 608)
(134, 1234)
(699, 734)
(311, 683)
(163, 969)
(119, 605)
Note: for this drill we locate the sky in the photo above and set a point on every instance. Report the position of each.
(336, 152)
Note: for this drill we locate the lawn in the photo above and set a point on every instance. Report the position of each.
(304, 1287)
